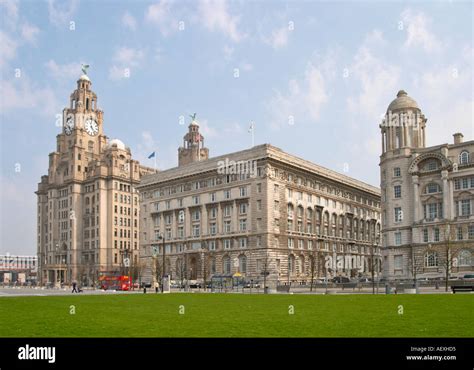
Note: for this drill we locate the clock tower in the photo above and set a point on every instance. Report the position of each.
(87, 204)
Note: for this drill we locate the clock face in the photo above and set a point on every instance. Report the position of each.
(69, 125)
(91, 126)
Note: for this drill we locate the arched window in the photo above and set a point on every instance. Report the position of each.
(243, 263)
(226, 265)
(431, 259)
(464, 157)
(290, 210)
(301, 264)
(300, 212)
(464, 258)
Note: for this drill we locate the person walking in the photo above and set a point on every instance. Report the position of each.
(74, 287)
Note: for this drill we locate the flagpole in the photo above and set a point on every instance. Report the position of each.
(154, 157)
(252, 128)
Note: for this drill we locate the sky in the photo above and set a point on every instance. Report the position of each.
(315, 77)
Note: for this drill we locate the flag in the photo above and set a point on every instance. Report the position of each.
(152, 155)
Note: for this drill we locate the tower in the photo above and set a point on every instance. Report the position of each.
(87, 204)
(193, 149)
(403, 133)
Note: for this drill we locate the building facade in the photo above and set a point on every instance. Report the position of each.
(427, 197)
(257, 212)
(18, 269)
(88, 211)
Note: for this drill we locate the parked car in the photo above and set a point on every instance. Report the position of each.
(341, 279)
(365, 280)
(468, 277)
(251, 285)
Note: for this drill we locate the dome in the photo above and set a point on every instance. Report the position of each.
(84, 77)
(403, 101)
(116, 143)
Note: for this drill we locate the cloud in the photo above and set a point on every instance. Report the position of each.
(60, 14)
(8, 49)
(278, 39)
(11, 10)
(376, 80)
(304, 99)
(124, 59)
(228, 52)
(129, 21)
(159, 14)
(65, 72)
(418, 33)
(214, 16)
(29, 32)
(20, 93)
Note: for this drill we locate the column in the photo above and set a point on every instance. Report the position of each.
(416, 199)
(446, 195)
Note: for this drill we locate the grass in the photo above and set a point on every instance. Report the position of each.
(236, 315)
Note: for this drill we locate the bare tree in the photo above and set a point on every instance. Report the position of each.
(180, 271)
(156, 269)
(415, 265)
(448, 237)
(314, 265)
(265, 271)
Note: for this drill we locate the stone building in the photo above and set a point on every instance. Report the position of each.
(257, 211)
(427, 197)
(88, 211)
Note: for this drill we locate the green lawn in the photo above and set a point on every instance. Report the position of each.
(236, 315)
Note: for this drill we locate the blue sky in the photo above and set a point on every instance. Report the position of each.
(314, 76)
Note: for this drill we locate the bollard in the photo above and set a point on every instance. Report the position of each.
(144, 290)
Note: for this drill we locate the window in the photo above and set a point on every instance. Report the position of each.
(470, 231)
(465, 207)
(290, 243)
(398, 262)
(396, 172)
(243, 208)
(196, 230)
(243, 242)
(431, 259)
(196, 199)
(212, 245)
(259, 188)
(227, 226)
(226, 265)
(243, 224)
(227, 194)
(436, 234)
(213, 212)
(243, 191)
(432, 188)
(398, 238)
(433, 210)
(397, 191)
(398, 214)
(227, 211)
(431, 166)
(212, 197)
(464, 157)
(196, 215)
(226, 243)
(425, 236)
(459, 233)
(259, 205)
(213, 228)
(464, 258)
(243, 264)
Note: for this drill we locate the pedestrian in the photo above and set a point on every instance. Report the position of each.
(156, 287)
(74, 287)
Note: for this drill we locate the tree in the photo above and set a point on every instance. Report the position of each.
(415, 265)
(265, 271)
(448, 237)
(180, 271)
(156, 269)
(314, 266)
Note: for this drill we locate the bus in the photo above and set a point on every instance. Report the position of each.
(115, 282)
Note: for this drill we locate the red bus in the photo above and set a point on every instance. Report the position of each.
(115, 282)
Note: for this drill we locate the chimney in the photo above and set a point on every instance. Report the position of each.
(458, 138)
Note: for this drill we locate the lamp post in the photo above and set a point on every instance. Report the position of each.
(162, 237)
